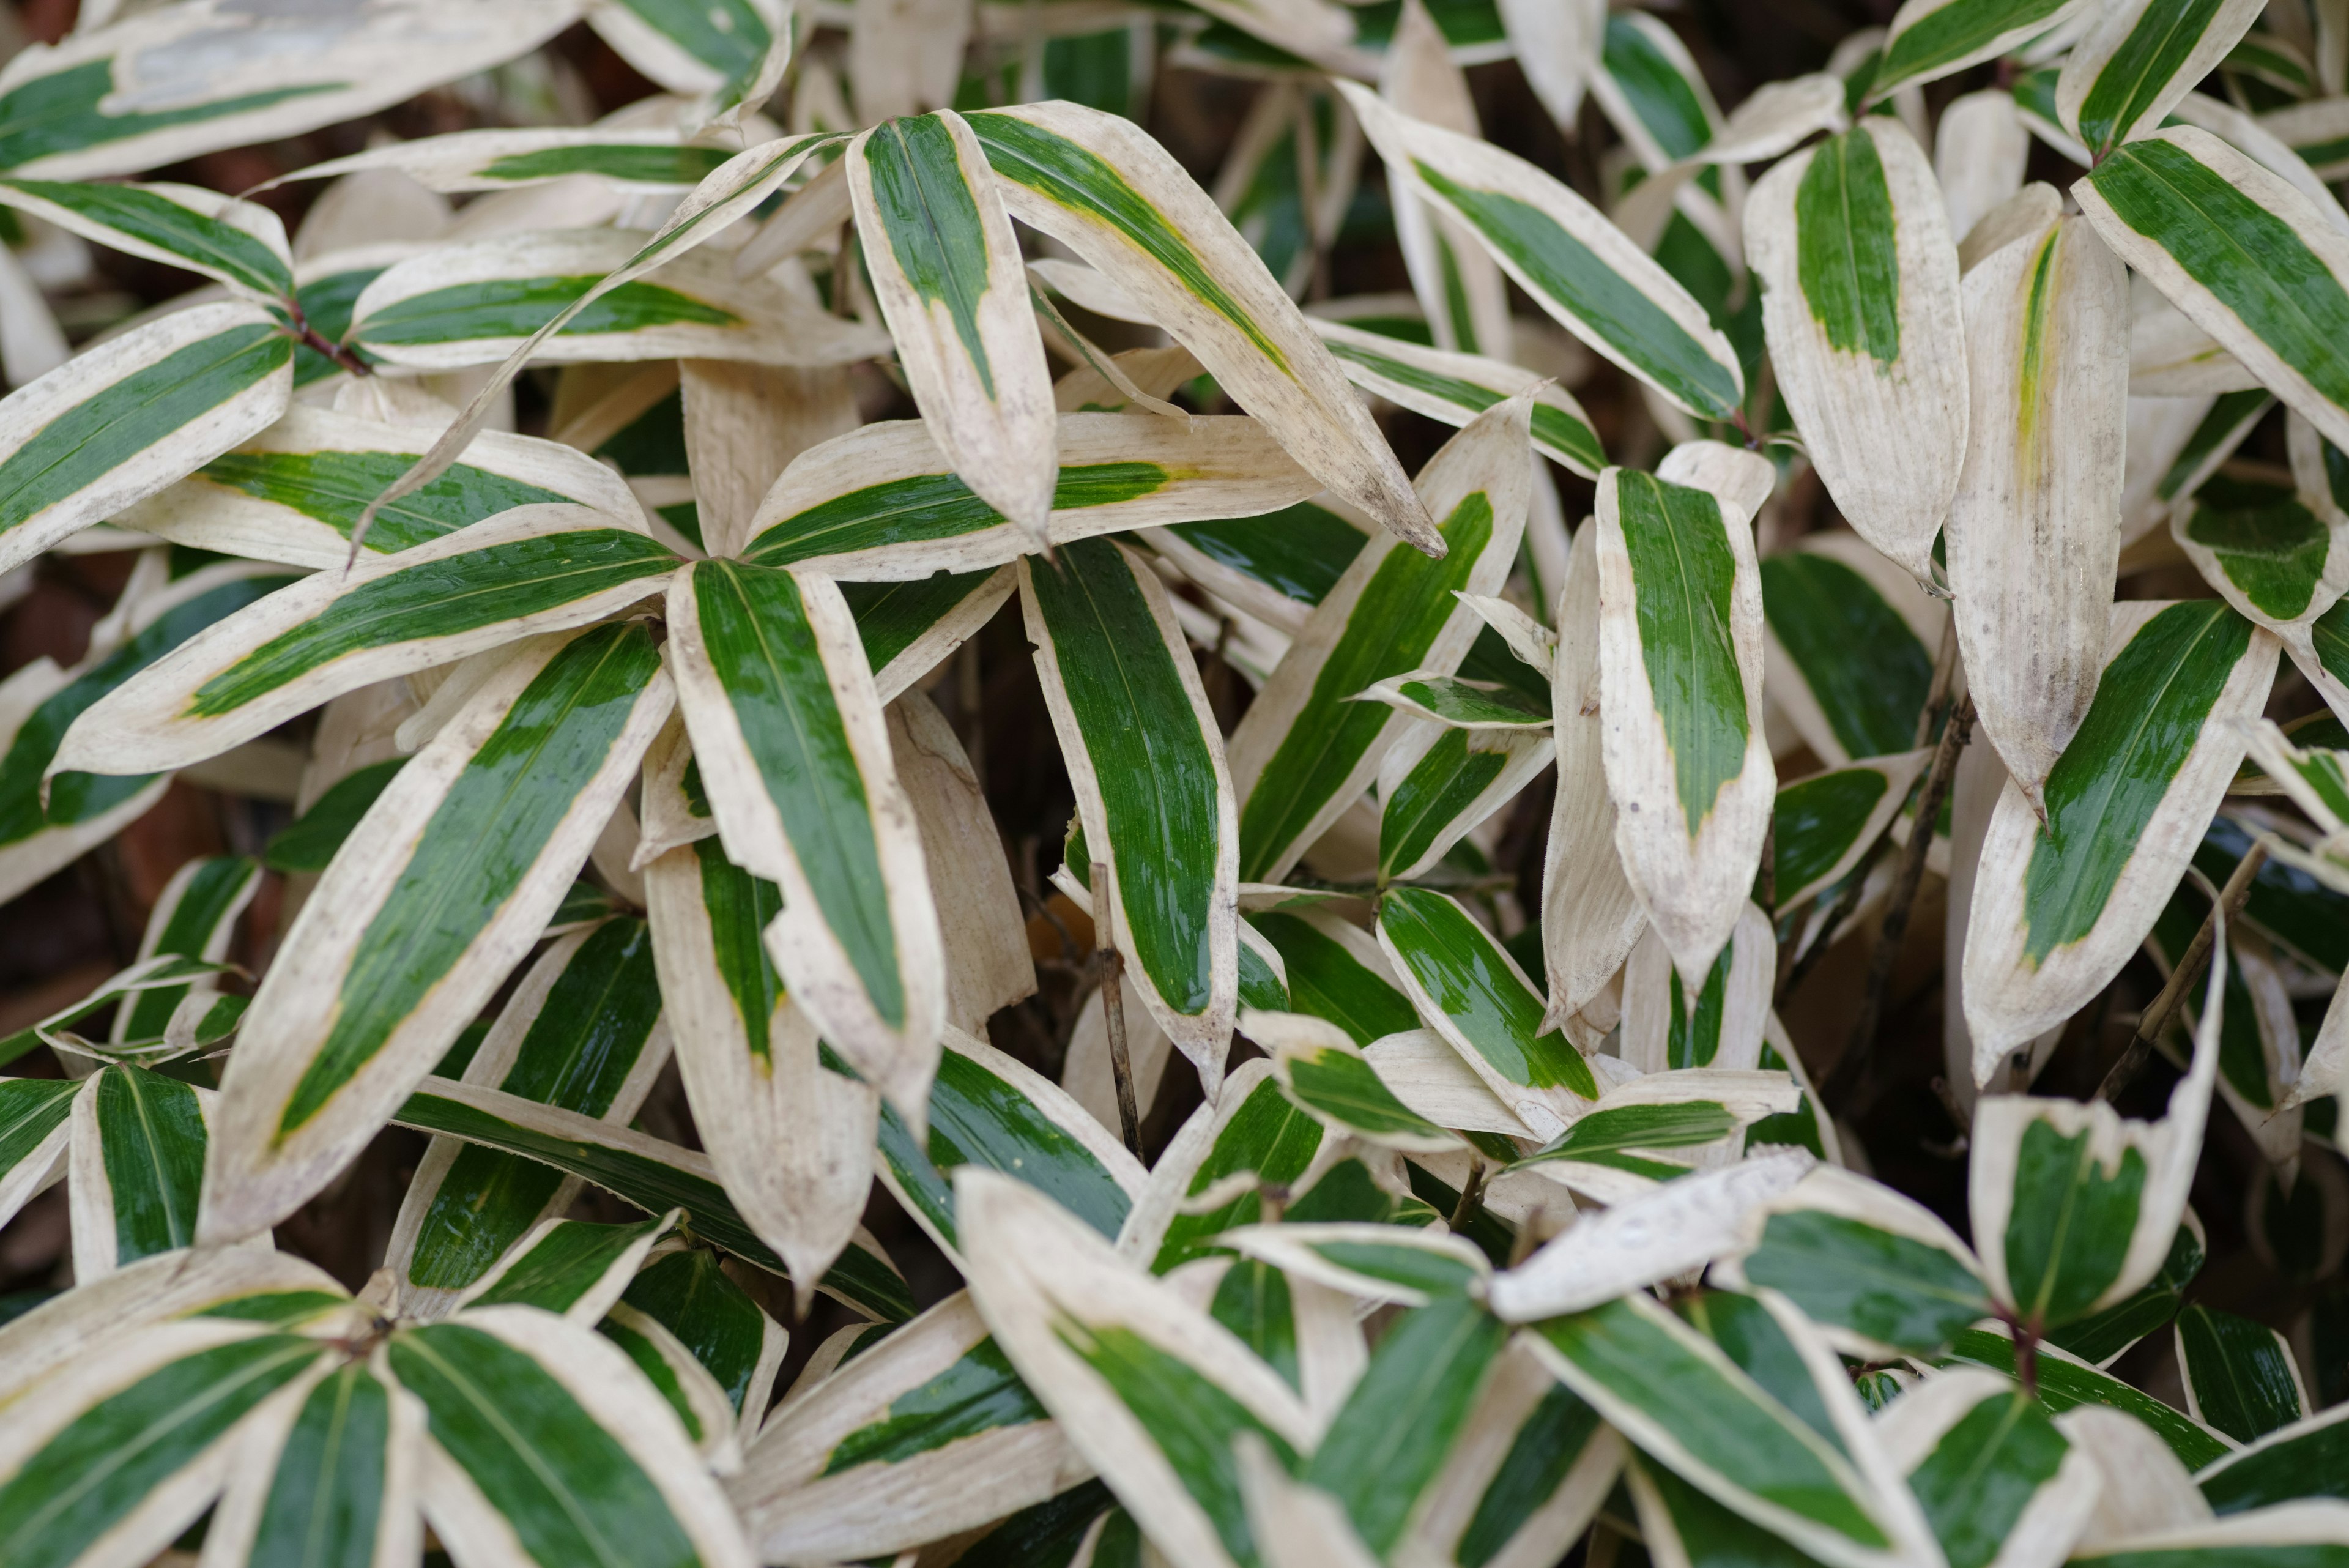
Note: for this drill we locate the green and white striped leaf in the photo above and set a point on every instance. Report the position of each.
(1455, 388)
(1154, 791)
(1675, 1394)
(795, 751)
(123, 1450)
(1450, 701)
(946, 272)
(1589, 918)
(2259, 1038)
(2058, 909)
(2240, 1376)
(182, 1027)
(1681, 664)
(538, 570)
(2280, 556)
(1934, 38)
(1326, 1072)
(2074, 1208)
(1196, 1191)
(790, 1137)
(138, 1160)
(1440, 782)
(1860, 304)
(77, 109)
(1659, 1128)
(480, 302)
(235, 242)
(644, 1171)
(2248, 258)
(546, 1446)
(583, 1032)
(2299, 1461)
(1581, 269)
(295, 492)
(2102, 1337)
(1669, 1026)
(1304, 750)
(35, 1129)
(440, 891)
(194, 917)
(2180, 457)
(1459, 290)
(331, 1477)
(1105, 188)
(1469, 991)
(40, 703)
(884, 502)
(1877, 1271)
(1149, 1390)
(729, 1336)
(2140, 58)
(569, 1267)
(463, 160)
(2034, 532)
(1651, 92)
(1335, 970)
(2065, 1383)
(908, 628)
(1823, 824)
(927, 1435)
(1276, 570)
(1997, 1481)
(125, 419)
(2263, 1540)
(990, 1109)
(694, 48)
(1850, 647)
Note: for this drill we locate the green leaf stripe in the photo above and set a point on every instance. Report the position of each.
(1657, 90)
(30, 1110)
(334, 487)
(2271, 546)
(1545, 1448)
(1864, 663)
(1682, 575)
(569, 1491)
(2146, 716)
(2065, 1383)
(151, 1138)
(1330, 982)
(689, 1294)
(208, 244)
(933, 223)
(727, 35)
(206, 901)
(2310, 1459)
(113, 426)
(1555, 431)
(929, 508)
(1949, 33)
(1300, 551)
(484, 839)
(50, 115)
(516, 307)
(1073, 177)
(1846, 246)
(1604, 303)
(311, 841)
(2252, 261)
(1818, 820)
(635, 163)
(1892, 1288)
(978, 1118)
(1347, 1090)
(1689, 1125)
(2139, 71)
(326, 1500)
(1440, 787)
(1268, 1135)
(656, 1186)
(1153, 762)
(1470, 981)
(2240, 1371)
(765, 654)
(563, 1264)
(1402, 608)
(978, 1393)
(439, 598)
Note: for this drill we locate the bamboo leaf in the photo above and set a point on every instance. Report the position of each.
(237, 242)
(334, 1476)
(1195, 1193)
(2138, 61)
(1455, 388)
(689, 1294)
(568, 1267)
(2240, 1375)
(436, 896)
(2268, 551)
(1823, 824)
(1994, 1475)
(138, 1144)
(1441, 782)
(1935, 39)
(1326, 1072)
(463, 160)
(2300, 1460)
(2067, 1383)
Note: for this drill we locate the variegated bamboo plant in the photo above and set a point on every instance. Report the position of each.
(1938, 598)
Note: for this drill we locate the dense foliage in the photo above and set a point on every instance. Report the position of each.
(1656, 867)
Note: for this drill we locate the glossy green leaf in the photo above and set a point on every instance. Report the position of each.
(1863, 663)
(310, 842)
(151, 1146)
(326, 1502)
(2100, 1337)
(1265, 1133)
(1329, 979)
(2305, 1459)
(2240, 1376)
(730, 1335)
(2064, 1382)
(1932, 38)
(195, 917)
(159, 222)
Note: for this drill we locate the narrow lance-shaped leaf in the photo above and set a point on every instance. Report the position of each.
(690, 1294)
(2240, 1376)
(1335, 970)
(1103, 188)
(35, 1131)
(1146, 759)
(195, 917)
(1441, 782)
(2059, 908)
(582, 1031)
(2074, 1208)
(2067, 1382)
(644, 1171)
(545, 1440)
(1935, 39)
(925, 1435)
(2299, 1461)
(1823, 824)
(1996, 1478)
(1469, 991)
(1851, 645)
(1148, 1389)
(294, 493)
(946, 271)
(2248, 258)
(2034, 533)
(1304, 750)
(1253, 1128)
(398, 949)
(125, 419)
(237, 242)
(1455, 388)
(138, 1160)
(2138, 61)
(1859, 279)
(795, 751)
(694, 48)
(543, 570)
(2101, 1338)
(1326, 1072)
(505, 159)
(569, 1267)
(2279, 557)
(1680, 646)
(333, 1476)
(882, 502)
(1651, 90)
(1578, 266)
(790, 1136)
